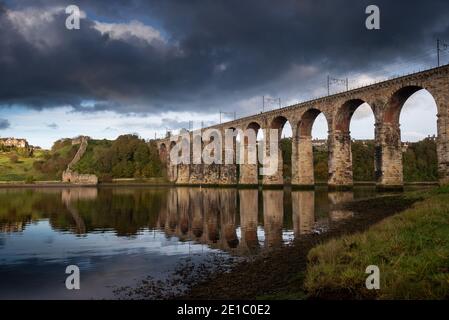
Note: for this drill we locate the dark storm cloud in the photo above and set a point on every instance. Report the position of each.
(4, 124)
(212, 54)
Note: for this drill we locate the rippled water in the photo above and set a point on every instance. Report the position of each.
(120, 235)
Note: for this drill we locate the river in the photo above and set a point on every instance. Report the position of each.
(117, 236)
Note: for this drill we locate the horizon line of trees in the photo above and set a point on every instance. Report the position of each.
(129, 156)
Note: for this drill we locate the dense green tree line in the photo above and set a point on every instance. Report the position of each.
(126, 157)
(420, 161)
(131, 157)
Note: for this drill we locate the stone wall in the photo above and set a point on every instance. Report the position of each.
(71, 176)
(77, 178)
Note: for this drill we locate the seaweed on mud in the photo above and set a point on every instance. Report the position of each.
(176, 283)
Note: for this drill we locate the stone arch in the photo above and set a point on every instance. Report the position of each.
(254, 125)
(389, 157)
(340, 145)
(302, 153)
(248, 169)
(172, 169)
(343, 117)
(305, 124)
(197, 149)
(279, 123)
(235, 133)
(396, 102)
(228, 169)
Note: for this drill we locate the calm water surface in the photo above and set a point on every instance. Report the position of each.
(118, 236)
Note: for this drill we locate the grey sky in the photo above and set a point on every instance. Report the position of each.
(134, 63)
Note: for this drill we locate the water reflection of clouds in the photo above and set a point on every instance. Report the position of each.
(115, 235)
(168, 221)
(33, 242)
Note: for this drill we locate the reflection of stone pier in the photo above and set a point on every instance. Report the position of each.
(196, 208)
(172, 212)
(303, 211)
(273, 214)
(228, 205)
(336, 199)
(249, 210)
(211, 214)
(183, 210)
(214, 217)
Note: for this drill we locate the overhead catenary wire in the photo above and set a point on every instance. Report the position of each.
(414, 63)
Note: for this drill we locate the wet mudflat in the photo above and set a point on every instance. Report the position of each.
(279, 274)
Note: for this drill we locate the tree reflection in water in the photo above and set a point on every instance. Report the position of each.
(237, 221)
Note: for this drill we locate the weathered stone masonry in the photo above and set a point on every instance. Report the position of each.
(385, 99)
(71, 176)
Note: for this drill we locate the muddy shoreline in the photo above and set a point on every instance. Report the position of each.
(279, 273)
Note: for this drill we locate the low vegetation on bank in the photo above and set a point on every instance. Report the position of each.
(411, 250)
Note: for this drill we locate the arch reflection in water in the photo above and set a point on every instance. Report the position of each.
(237, 221)
(196, 212)
(172, 212)
(336, 200)
(183, 211)
(211, 213)
(303, 211)
(119, 234)
(249, 210)
(273, 214)
(228, 221)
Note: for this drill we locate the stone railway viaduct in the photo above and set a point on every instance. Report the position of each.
(386, 100)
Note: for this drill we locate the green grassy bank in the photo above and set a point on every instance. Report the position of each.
(17, 167)
(411, 250)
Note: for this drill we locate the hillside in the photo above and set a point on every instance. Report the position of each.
(126, 157)
(15, 166)
(42, 165)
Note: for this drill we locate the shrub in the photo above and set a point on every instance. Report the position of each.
(13, 158)
(29, 179)
(105, 177)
